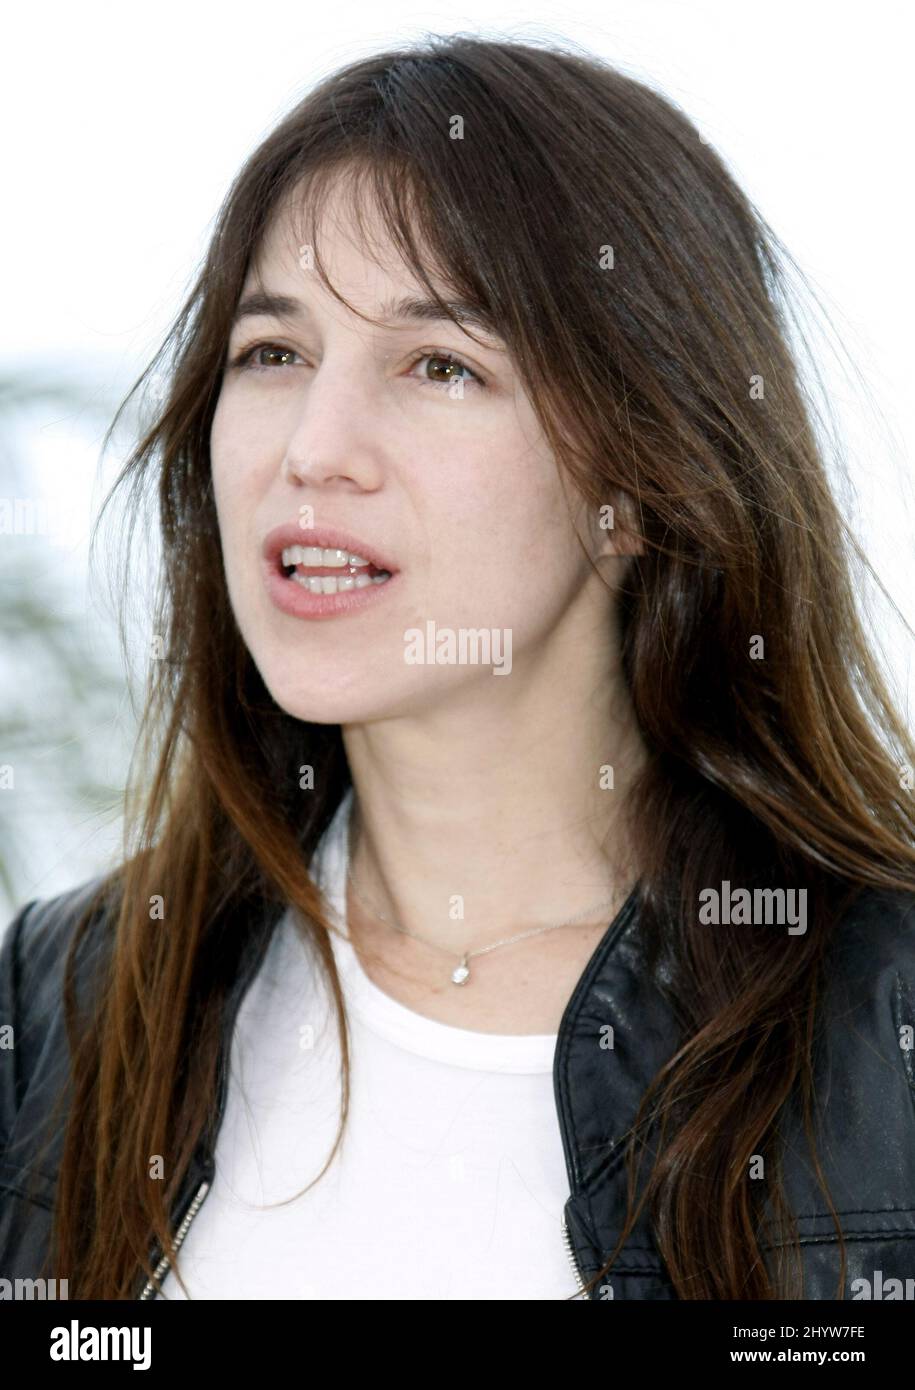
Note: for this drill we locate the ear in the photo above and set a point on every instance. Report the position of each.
(615, 529)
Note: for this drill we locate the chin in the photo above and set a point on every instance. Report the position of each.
(330, 701)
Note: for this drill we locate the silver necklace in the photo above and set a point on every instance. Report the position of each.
(461, 973)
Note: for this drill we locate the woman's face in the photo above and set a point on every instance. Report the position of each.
(458, 491)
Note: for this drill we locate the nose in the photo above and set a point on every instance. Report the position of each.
(300, 469)
(334, 437)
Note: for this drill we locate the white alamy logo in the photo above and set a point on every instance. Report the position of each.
(885, 1289)
(75, 1343)
(468, 646)
(761, 907)
(42, 1290)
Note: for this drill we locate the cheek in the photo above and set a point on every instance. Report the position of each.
(504, 550)
(522, 522)
(223, 465)
(238, 467)
(238, 479)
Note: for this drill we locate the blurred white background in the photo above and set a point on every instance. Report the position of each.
(123, 127)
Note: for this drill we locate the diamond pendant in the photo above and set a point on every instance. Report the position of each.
(461, 972)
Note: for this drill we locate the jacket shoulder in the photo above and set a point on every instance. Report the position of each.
(869, 1005)
(872, 955)
(33, 955)
(864, 1082)
(34, 945)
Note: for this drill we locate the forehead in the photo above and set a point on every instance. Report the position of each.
(349, 236)
(362, 263)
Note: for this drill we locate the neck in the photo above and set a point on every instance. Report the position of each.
(467, 830)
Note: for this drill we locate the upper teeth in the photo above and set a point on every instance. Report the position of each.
(313, 556)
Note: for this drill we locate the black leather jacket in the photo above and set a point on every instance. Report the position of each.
(865, 1092)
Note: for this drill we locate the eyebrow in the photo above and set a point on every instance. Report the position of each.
(415, 310)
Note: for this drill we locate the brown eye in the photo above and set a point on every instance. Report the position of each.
(277, 353)
(451, 365)
(250, 359)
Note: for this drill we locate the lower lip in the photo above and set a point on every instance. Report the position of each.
(290, 597)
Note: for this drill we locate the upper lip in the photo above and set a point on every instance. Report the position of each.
(328, 538)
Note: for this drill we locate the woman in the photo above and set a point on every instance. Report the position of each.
(515, 751)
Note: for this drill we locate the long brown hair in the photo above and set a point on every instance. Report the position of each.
(646, 304)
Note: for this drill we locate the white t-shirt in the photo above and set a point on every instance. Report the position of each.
(451, 1180)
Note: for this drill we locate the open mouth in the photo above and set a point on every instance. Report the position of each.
(329, 571)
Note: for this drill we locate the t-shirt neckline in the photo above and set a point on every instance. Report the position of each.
(387, 1017)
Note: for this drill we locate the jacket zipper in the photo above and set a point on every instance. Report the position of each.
(164, 1264)
(203, 1189)
(571, 1254)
